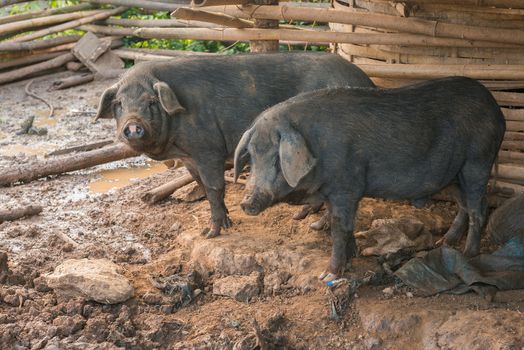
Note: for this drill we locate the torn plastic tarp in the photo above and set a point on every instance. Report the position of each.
(445, 269)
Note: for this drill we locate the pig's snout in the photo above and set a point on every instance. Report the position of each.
(254, 204)
(133, 131)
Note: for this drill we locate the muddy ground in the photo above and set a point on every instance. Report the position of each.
(162, 242)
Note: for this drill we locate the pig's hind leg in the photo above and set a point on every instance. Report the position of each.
(474, 178)
(458, 227)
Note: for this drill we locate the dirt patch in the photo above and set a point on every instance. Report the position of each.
(271, 258)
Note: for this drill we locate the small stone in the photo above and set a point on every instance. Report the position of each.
(98, 280)
(241, 288)
(409, 294)
(389, 291)
(235, 324)
(197, 292)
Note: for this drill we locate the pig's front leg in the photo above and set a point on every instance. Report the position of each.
(343, 211)
(212, 176)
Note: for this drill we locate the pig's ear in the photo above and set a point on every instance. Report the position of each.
(296, 160)
(168, 98)
(104, 107)
(241, 153)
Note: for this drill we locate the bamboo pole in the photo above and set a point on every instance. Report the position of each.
(432, 71)
(105, 30)
(145, 4)
(216, 18)
(129, 53)
(35, 68)
(33, 171)
(158, 23)
(229, 34)
(38, 44)
(202, 3)
(70, 25)
(509, 98)
(140, 56)
(43, 13)
(513, 114)
(401, 24)
(43, 21)
(157, 194)
(516, 4)
(23, 61)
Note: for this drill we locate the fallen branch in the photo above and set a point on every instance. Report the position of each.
(23, 61)
(97, 29)
(156, 23)
(83, 148)
(157, 194)
(515, 4)
(216, 18)
(201, 3)
(42, 13)
(14, 214)
(21, 73)
(145, 4)
(39, 169)
(70, 25)
(33, 95)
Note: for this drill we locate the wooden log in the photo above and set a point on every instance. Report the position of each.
(265, 23)
(216, 18)
(138, 54)
(39, 169)
(145, 4)
(4, 3)
(27, 71)
(513, 135)
(72, 81)
(70, 25)
(514, 126)
(18, 213)
(82, 148)
(512, 145)
(297, 35)
(157, 194)
(401, 24)
(511, 171)
(74, 66)
(202, 3)
(507, 188)
(433, 71)
(496, 85)
(43, 13)
(29, 59)
(38, 44)
(510, 98)
(43, 21)
(515, 4)
(157, 23)
(513, 114)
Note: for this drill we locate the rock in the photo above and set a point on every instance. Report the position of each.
(241, 288)
(389, 291)
(98, 280)
(67, 325)
(273, 282)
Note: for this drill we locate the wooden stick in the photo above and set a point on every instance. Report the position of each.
(401, 24)
(514, 126)
(97, 29)
(38, 44)
(4, 3)
(300, 35)
(143, 55)
(35, 68)
(69, 25)
(216, 18)
(36, 170)
(157, 194)
(157, 23)
(145, 4)
(201, 3)
(513, 145)
(74, 66)
(508, 171)
(38, 22)
(23, 61)
(514, 136)
(82, 148)
(14, 214)
(42, 13)
(514, 157)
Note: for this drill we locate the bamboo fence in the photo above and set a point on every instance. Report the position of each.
(396, 42)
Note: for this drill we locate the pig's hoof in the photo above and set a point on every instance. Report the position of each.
(327, 276)
(302, 213)
(210, 232)
(470, 252)
(321, 224)
(227, 223)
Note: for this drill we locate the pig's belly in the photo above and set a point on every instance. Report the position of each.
(410, 180)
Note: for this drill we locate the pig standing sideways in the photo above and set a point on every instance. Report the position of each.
(196, 109)
(342, 144)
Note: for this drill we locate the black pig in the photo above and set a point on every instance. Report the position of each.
(196, 109)
(341, 144)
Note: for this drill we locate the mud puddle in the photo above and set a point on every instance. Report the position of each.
(120, 177)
